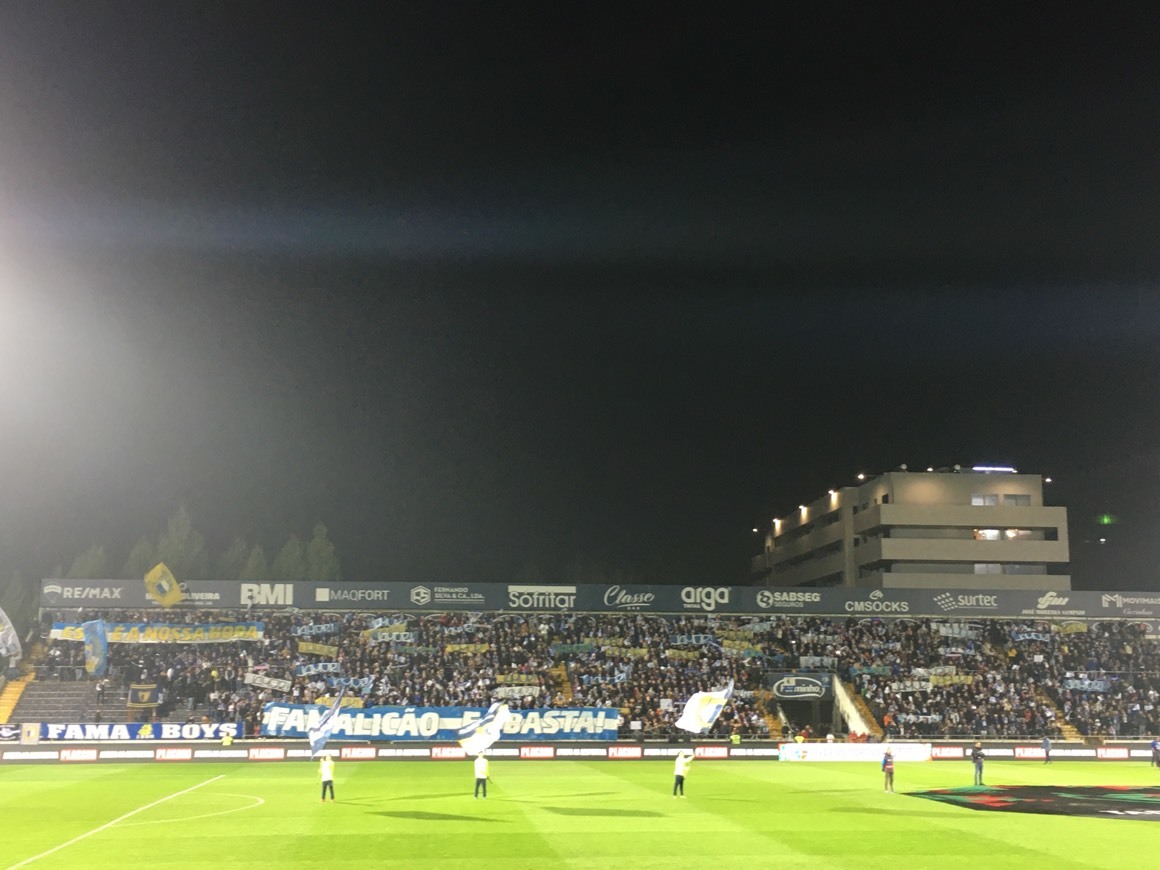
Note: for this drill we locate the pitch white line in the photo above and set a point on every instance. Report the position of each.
(107, 825)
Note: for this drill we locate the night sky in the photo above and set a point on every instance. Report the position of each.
(497, 290)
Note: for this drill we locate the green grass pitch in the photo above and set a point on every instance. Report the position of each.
(551, 814)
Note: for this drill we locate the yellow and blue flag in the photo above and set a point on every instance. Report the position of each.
(96, 647)
(702, 710)
(321, 732)
(477, 737)
(162, 586)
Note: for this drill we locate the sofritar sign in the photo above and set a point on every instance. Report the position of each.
(542, 597)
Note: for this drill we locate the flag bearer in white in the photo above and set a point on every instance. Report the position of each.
(326, 774)
(481, 775)
(680, 771)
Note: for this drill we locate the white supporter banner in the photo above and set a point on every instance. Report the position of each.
(264, 682)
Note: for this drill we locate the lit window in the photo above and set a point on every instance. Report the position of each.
(986, 534)
(985, 499)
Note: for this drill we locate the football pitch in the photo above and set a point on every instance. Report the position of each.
(560, 814)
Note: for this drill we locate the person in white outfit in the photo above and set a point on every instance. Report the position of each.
(680, 770)
(481, 775)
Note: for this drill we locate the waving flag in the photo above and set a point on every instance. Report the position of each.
(476, 737)
(96, 647)
(9, 641)
(702, 710)
(321, 732)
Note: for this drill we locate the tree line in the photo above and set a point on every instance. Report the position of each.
(183, 548)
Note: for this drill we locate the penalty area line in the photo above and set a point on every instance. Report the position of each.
(108, 825)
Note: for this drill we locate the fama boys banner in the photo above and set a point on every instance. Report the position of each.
(111, 731)
(127, 632)
(441, 723)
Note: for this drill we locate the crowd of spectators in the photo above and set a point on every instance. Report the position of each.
(919, 677)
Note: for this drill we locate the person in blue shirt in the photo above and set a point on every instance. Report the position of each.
(1156, 751)
(888, 771)
(1046, 749)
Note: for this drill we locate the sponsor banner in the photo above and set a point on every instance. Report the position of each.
(446, 753)
(547, 597)
(128, 755)
(943, 752)
(537, 752)
(81, 754)
(800, 687)
(621, 753)
(124, 632)
(442, 723)
(1033, 752)
(443, 597)
(264, 682)
(9, 731)
(711, 751)
(108, 732)
(536, 597)
(174, 753)
(903, 752)
(31, 755)
(1119, 753)
(357, 753)
(413, 752)
(267, 753)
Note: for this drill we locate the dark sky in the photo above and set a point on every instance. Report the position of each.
(492, 286)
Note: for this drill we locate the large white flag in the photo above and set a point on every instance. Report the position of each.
(9, 641)
(321, 732)
(477, 737)
(702, 710)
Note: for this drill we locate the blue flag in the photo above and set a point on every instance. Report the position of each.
(321, 732)
(96, 647)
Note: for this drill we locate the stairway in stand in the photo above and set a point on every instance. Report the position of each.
(562, 683)
(11, 696)
(772, 722)
(875, 729)
(1067, 731)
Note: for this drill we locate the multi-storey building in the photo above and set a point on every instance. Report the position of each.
(956, 528)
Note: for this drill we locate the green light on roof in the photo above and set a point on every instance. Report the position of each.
(1107, 519)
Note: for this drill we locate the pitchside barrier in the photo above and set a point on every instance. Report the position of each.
(266, 751)
(65, 595)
